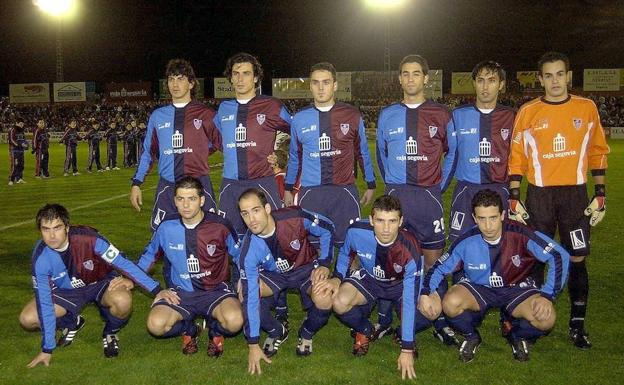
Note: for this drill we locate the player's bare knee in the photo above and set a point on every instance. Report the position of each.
(323, 301)
(120, 303)
(341, 304)
(29, 320)
(157, 325)
(233, 321)
(452, 305)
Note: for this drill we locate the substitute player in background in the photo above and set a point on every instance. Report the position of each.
(411, 141)
(326, 139)
(497, 257)
(93, 137)
(248, 125)
(557, 140)
(40, 147)
(70, 139)
(197, 247)
(479, 137)
(71, 267)
(181, 136)
(112, 137)
(17, 145)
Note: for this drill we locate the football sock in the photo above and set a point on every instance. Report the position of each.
(268, 323)
(523, 329)
(464, 324)
(315, 320)
(281, 309)
(357, 319)
(384, 312)
(578, 289)
(179, 328)
(69, 321)
(113, 324)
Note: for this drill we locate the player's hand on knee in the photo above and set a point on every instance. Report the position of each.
(319, 274)
(170, 296)
(542, 308)
(42, 358)
(136, 197)
(597, 208)
(405, 364)
(120, 283)
(255, 356)
(327, 286)
(428, 305)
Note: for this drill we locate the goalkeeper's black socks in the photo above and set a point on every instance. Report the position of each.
(578, 288)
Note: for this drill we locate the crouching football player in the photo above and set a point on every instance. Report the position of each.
(197, 247)
(497, 256)
(71, 267)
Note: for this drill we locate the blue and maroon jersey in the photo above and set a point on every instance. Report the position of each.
(506, 263)
(41, 139)
(181, 140)
(89, 258)
(195, 258)
(400, 262)
(94, 137)
(479, 145)
(248, 132)
(70, 137)
(17, 139)
(325, 147)
(283, 251)
(411, 143)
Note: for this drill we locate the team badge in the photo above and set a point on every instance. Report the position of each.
(260, 118)
(197, 123)
(578, 239)
(211, 249)
(192, 264)
(432, 131)
(397, 268)
(160, 215)
(295, 244)
(505, 133)
(88, 265)
(577, 123)
(458, 220)
(344, 128)
(515, 259)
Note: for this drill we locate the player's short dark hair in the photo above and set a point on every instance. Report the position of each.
(182, 67)
(415, 59)
(489, 66)
(254, 192)
(243, 57)
(50, 212)
(386, 203)
(487, 198)
(188, 181)
(324, 66)
(551, 57)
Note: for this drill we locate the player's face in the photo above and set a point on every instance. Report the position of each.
(72, 124)
(244, 80)
(323, 87)
(255, 216)
(179, 88)
(413, 80)
(554, 78)
(487, 85)
(54, 233)
(40, 123)
(189, 204)
(386, 225)
(490, 221)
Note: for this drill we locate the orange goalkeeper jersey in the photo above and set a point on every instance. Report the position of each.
(554, 143)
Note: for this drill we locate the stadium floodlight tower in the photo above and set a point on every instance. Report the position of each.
(386, 7)
(59, 10)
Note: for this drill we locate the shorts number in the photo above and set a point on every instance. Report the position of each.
(439, 225)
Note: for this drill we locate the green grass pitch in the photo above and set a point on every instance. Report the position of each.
(101, 200)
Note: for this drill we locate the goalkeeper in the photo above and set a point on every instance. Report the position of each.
(557, 140)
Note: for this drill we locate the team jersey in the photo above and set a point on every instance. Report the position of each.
(88, 259)
(555, 143)
(94, 137)
(181, 139)
(196, 258)
(398, 263)
(507, 263)
(248, 132)
(17, 140)
(411, 143)
(70, 137)
(325, 146)
(41, 139)
(285, 250)
(112, 135)
(478, 145)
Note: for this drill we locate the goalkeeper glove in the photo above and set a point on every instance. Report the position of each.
(517, 210)
(597, 208)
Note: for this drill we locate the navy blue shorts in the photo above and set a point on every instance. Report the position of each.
(423, 213)
(73, 300)
(232, 189)
(506, 298)
(164, 205)
(298, 278)
(201, 302)
(461, 205)
(373, 289)
(340, 204)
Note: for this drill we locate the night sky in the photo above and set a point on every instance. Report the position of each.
(126, 40)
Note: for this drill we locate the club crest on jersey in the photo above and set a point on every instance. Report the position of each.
(458, 220)
(88, 265)
(432, 131)
(295, 244)
(260, 118)
(160, 215)
(515, 259)
(344, 128)
(197, 123)
(577, 123)
(578, 239)
(210, 248)
(397, 268)
(505, 133)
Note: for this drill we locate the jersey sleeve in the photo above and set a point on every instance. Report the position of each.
(343, 260)
(361, 150)
(252, 252)
(41, 274)
(114, 257)
(151, 252)
(548, 251)
(598, 148)
(380, 146)
(151, 141)
(285, 120)
(323, 228)
(294, 154)
(214, 135)
(443, 266)
(518, 160)
(450, 159)
(408, 305)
